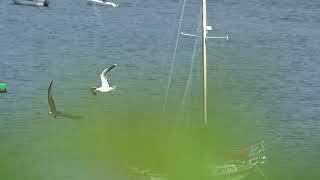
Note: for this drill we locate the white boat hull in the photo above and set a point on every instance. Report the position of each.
(102, 3)
(31, 3)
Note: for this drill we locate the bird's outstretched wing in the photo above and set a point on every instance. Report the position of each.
(68, 115)
(104, 81)
(52, 105)
(53, 109)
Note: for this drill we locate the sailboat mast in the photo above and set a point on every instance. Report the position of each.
(204, 50)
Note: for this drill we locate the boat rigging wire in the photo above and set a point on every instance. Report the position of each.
(261, 172)
(189, 82)
(174, 57)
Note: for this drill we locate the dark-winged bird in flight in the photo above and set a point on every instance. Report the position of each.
(53, 109)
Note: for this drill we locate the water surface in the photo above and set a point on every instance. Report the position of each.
(263, 83)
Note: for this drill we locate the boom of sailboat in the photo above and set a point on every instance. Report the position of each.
(209, 37)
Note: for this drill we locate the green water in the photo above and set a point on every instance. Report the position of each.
(263, 84)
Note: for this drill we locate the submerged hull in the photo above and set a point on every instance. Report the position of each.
(236, 169)
(31, 3)
(102, 3)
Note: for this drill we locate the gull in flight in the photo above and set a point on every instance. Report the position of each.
(53, 110)
(104, 82)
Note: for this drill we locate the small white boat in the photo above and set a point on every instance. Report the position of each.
(102, 3)
(32, 2)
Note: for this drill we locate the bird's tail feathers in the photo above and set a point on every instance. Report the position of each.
(93, 90)
(114, 88)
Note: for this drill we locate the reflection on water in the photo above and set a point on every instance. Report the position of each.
(263, 85)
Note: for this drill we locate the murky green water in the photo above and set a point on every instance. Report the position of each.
(263, 84)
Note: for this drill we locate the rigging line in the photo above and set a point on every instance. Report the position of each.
(174, 57)
(171, 31)
(189, 82)
(262, 174)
